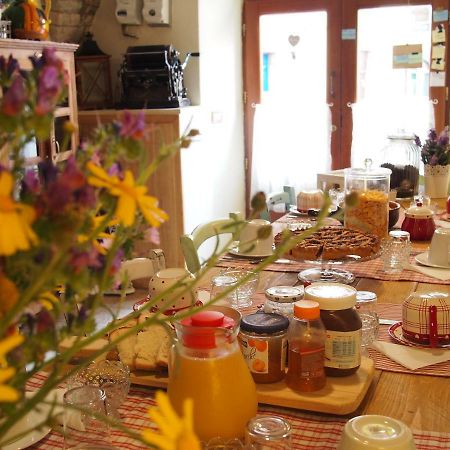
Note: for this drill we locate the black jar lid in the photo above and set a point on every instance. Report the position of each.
(264, 323)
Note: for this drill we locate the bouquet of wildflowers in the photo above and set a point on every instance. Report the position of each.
(64, 230)
(435, 150)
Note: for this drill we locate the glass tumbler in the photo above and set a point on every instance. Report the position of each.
(396, 250)
(83, 427)
(111, 376)
(239, 296)
(268, 432)
(366, 306)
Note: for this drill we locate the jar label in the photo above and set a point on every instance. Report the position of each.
(256, 354)
(343, 349)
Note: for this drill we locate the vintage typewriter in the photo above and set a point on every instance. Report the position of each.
(152, 77)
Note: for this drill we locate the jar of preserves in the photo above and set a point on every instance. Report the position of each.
(281, 299)
(263, 340)
(343, 324)
(367, 199)
(402, 156)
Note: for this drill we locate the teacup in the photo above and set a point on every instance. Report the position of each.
(426, 318)
(176, 299)
(439, 251)
(250, 244)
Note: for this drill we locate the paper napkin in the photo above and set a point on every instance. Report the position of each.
(410, 357)
(440, 274)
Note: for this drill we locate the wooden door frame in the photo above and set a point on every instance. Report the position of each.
(349, 56)
(253, 9)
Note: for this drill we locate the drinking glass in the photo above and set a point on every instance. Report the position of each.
(373, 432)
(268, 432)
(83, 427)
(111, 376)
(366, 306)
(396, 250)
(239, 297)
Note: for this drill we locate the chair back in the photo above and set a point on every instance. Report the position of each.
(287, 196)
(190, 243)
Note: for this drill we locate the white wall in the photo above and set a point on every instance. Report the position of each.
(213, 167)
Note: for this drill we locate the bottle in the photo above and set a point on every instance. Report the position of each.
(207, 365)
(306, 342)
(343, 338)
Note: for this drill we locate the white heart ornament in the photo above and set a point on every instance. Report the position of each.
(294, 39)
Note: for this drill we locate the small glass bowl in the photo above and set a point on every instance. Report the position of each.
(112, 376)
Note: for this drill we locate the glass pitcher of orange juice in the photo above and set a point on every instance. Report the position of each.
(208, 366)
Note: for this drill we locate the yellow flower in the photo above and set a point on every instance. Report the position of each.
(9, 294)
(15, 220)
(130, 196)
(96, 222)
(47, 300)
(7, 393)
(176, 432)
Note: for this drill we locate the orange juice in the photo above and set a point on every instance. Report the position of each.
(222, 388)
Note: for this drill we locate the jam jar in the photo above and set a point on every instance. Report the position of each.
(337, 311)
(263, 341)
(281, 299)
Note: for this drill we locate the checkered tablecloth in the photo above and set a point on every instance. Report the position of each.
(309, 431)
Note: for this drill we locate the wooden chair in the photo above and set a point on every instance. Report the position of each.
(287, 196)
(190, 243)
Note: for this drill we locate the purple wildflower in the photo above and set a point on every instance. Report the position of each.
(433, 160)
(49, 88)
(30, 183)
(8, 67)
(80, 260)
(443, 137)
(14, 98)
(432, 135)
(48, 171)
(115, 170)
(417, 140)
(152, 235)
(132, 125)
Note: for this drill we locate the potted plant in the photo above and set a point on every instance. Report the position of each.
(435, 154)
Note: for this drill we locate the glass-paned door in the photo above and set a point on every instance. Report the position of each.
(292, 121)
(291, 89)
(392, 78)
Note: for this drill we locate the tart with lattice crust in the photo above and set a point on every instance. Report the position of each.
(332, 243)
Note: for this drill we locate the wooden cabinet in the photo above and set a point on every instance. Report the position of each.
(163, 126)
(51, 148)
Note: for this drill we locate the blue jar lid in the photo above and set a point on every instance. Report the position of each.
(264, 323)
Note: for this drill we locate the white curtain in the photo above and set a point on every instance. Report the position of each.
(291, 144)
(375, 120)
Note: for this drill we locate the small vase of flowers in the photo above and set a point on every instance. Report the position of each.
(435, 154)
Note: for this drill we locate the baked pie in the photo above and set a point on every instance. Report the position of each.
(332, 243)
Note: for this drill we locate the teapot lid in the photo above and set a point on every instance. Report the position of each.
(202, 327)
(420, 212)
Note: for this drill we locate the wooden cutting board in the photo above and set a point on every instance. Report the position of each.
(340, 396)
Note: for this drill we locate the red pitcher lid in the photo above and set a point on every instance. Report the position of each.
(201, 331)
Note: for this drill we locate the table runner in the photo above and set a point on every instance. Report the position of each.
(366, 269)
(310, 431)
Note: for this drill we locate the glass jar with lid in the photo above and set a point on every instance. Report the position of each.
(281, 299)
(367, 204)
(402, 156)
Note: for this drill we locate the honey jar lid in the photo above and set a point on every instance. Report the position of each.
(285, 294)
(331, 296)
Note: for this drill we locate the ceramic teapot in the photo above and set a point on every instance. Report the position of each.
(419, 223)
(28, 19)
(426, 318)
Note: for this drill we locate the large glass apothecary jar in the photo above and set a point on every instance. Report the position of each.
(402, 156)
(367, 205)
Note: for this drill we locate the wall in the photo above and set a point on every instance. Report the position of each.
(182, 34)
(213, 167)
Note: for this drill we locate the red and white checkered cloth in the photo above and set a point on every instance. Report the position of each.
(309, 431)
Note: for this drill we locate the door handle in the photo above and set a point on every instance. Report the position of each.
(331, 80)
